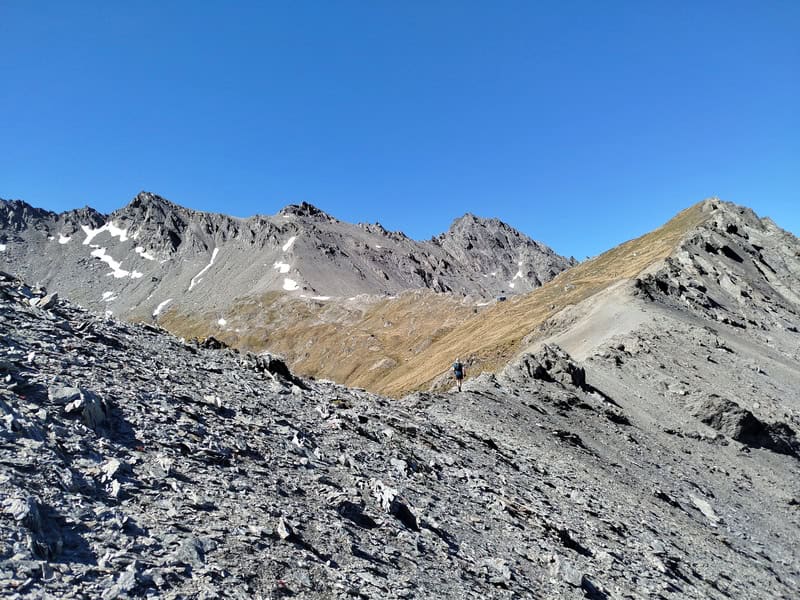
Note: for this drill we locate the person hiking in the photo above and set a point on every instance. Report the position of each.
(458, 371)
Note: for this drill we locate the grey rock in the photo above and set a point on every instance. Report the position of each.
(63, 394)
(284, 530)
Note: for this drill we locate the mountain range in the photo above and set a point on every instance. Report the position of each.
(153, 256)
(627, 428)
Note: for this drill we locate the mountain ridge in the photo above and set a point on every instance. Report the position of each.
(357, 259)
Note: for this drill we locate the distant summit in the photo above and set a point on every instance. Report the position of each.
(304, 209)
(489, 245)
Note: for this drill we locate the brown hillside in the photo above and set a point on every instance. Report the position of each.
(401, 344)
(492, 338)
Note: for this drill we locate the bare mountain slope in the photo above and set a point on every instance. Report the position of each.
(152, 256)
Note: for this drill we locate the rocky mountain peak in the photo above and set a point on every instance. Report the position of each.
(472, 227)
(147, 205)
(19, 215)
(304, 209)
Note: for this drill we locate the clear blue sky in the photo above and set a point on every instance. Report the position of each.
(582, 124)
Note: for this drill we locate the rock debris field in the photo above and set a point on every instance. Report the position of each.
(135, 464)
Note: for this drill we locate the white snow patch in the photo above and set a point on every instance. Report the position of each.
(115, 231)
(116, 269)
(290, 284)
(108, 295)
(322, 298)
(518, 275)
(143, 253)
(136, 275)
(511, 284)
(2, 247)
(112, 230)
(50, 238)
(63, 239)
(289, 244)
(161, 306)
(198, 278)
(222, 322)
(494, 273)
(109, 314)
(90, 233)
(378, 246)
(282, 267)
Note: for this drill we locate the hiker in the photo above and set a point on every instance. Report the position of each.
(458, 371)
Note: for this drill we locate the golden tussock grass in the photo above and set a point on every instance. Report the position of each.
(397, 345)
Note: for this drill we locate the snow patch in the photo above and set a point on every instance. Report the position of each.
(282, 267)
(2, 247)
(63, 239)
(289, 244)
(322, 298)
(112, 230)
(511, 284)
(116, 268)
(378, 246)
(115, 231)
(518, 275)
(222, 322)
(143, 253)
(161, 306)
(110, 296)
(199, 277)
(290, 284)
(136, 275)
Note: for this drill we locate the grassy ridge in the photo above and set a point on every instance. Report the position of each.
(397, 345)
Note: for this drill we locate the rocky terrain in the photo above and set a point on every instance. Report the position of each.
(135, 464)
(637, 440)
(152, 257)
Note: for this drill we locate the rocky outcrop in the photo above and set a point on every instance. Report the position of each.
(551, 363)
(735, 268)
(727, 417)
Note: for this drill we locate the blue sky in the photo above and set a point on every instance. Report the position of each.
(583, 124)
